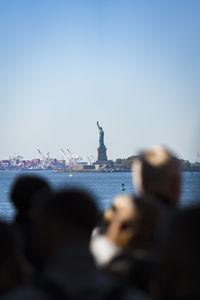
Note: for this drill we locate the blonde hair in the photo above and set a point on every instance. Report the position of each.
(154, 167)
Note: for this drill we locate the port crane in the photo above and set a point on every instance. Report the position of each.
(66, 158)
(43, 158)
(70, 158)
(93, 158)
(89, 160)
(74, 157)
(41, 154)
(15, 159)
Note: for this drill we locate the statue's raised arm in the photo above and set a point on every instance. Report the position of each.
(101, 135)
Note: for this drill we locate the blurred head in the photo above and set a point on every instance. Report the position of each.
(123, 204)
(24, 190)
(123, 220)
(157, 172)
(132, 222)
(67, 217)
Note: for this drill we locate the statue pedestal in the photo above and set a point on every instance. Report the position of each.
(101, 156)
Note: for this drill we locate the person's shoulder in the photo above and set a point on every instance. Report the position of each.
(29, 292)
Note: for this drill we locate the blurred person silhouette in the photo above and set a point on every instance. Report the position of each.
(123, 250)
(64, 230)
(27, 194)
(157, 176)
(14, 268)
(178, 272)
(157, 172)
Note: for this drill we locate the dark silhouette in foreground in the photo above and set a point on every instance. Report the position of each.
(178, 272)
(14, 268)
(27, 194)
(143, 245)
(127, 247)
(63, 229)
(124, 249)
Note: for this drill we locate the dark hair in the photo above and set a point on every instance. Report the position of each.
(24, 188)
(9, 240)
(76, 207)
(179, 268)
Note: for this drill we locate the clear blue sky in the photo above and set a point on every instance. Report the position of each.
(132, 65)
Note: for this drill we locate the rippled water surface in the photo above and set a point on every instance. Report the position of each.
(104, 186)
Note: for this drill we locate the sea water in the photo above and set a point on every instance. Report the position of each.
(104, 186)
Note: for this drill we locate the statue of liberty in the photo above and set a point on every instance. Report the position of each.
(101, 136)
(101, 150)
